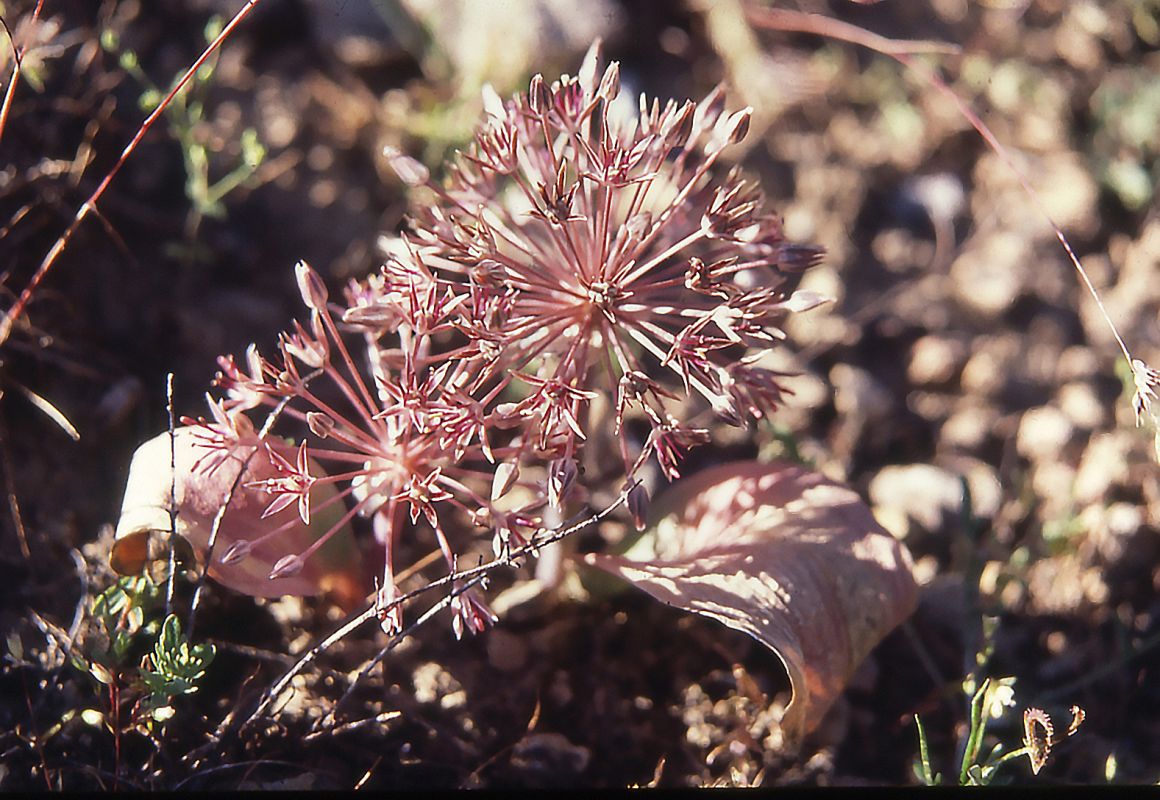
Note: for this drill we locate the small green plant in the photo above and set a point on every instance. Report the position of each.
(121, 618)
(177, 666)
(186, 116)
(989, 701)
(987, 698)
(122, 621)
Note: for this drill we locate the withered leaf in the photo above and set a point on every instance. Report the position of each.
(240, 560)
(785, 555)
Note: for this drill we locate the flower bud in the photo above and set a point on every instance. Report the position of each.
(409, 170)
(507, 410)
(677, 132)
(310, 286)
(286, 567)
(587, 73)
(539, 98)
(254, 362)
(638, 503)
(804, 300)
(492, 102)
(237, 552)
(506, 475)
(610, 83)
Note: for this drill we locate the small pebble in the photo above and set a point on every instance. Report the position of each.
(1042, 433)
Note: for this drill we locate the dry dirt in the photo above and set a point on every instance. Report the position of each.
(961, 344)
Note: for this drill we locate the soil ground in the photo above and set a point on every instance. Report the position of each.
(960, 343)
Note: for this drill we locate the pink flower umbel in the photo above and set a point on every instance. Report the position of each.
(595, 249)
(576, 252)
(407, 446)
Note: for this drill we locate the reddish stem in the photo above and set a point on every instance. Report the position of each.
(90, 204)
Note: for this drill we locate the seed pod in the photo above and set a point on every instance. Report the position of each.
(561, 476)
(287, 567)
(320, 424)
(237, 553)
(737, 125)
(678, 131)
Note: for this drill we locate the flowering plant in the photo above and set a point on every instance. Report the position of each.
(577, 249)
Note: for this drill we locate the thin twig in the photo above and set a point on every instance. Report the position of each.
(347, 727)
(466, 580)
(89, 206)
(395, 641)
(172, 497)
(10, 490)
(801, 22)
(18, 65)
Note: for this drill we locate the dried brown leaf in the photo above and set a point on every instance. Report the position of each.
(240, 560)
(785, 555)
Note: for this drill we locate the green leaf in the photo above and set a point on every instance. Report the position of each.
(922, 768)
(177, 666)
(213, 28)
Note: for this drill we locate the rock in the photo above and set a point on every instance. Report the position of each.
(861, 401)
(857, 392)
(1053, 482)
(919, 492)
(983, 481)
(940, 196)
(988, 273)
(1075, 363)
(1069, 193)
(550, 754)
(968, 426)
(1063, 585)
(987, 370)
(1080, 404)
(1042, 433)
(1112, 529)
(1104, 464)
(931, 406)
(935, 360)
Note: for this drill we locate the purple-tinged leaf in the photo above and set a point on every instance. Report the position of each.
(785, 555)
(242, 559)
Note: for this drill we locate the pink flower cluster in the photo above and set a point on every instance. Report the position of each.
(578, 248)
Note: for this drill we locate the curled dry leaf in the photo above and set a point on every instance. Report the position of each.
(785, 555)
(242, 561)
